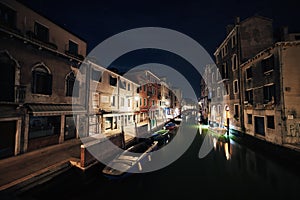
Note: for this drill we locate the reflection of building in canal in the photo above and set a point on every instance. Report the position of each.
(223, 146)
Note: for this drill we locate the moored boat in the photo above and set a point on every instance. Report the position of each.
(131, 160)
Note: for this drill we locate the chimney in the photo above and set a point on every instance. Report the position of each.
(284, 31)
(237, 20)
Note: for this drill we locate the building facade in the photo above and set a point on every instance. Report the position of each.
(270, 83)
(244, 39)
(113, 100)
(211, 104)
(39, 62)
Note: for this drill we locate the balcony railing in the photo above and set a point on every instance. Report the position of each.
(20, 93)
(30, 35)
(78, 56)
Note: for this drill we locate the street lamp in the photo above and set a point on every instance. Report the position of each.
(228, 139)
(227, 115)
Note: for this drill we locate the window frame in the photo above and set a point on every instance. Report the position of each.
(270, 124)
(39, 34)
(43, 75)
(70, 86)
(235, 86)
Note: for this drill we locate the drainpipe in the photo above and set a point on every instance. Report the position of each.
(283, 114)
(87, 97)
(241, 95)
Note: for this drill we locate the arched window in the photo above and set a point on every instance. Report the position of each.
(72, 88)
(41, 80)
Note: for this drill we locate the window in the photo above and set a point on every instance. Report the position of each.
(249, 118)
(93, 125)
(145, 102)
(249, 96)
(43, 126)
(234, 62)
(128, 87)
(268, 63)
(7, 16)
(129, 103)
(225, 49)
(113, 101)
(235, 87)
(219, 109)
(209, 96)
(213, 93)
(95, 100)
(122, 101)
(41, 81)
(153, 102)
(153, 90)
(145, 88)
(236, 111)
(218, 92)
(269, 93)
(224, 71)
(72, 87)
(140, 101)
(233, 40)
(123, 85)
(270, 122)
(213, 77)
(217, 58)
(113, 81)
(73, 47)
(41, 32)
(227, 89)
(249, 73)
(96, 75)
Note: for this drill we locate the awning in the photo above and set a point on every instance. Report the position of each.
(55, 109)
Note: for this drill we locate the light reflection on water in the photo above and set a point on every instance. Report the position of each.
(222, 144)
(256, 168)
(230, 170)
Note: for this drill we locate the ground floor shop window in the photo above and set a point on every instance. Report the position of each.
(94, 125)
(43, 126)
(70, 127)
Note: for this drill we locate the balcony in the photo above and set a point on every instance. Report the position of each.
(75, 55)
(31, 36)
(20, 93)
(10, 28)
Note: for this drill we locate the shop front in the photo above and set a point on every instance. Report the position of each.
(47, 125)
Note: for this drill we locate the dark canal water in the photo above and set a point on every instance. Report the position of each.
(227, 172)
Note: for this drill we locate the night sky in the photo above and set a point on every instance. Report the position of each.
(204, 21)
